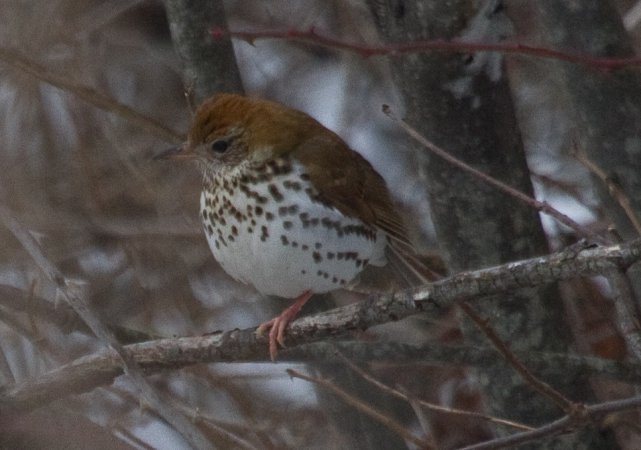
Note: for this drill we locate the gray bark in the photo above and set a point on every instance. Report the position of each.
(605, 106)
(476, 225)
(209, 64)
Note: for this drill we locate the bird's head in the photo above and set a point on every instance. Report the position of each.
(230, 129)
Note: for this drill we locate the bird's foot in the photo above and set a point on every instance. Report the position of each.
(278, 324)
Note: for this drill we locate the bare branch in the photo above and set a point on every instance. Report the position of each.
(538, 385)
(312, 37)
(363, 407)
(613, 188)
(91, 371)
(540, 206)
(89, 95)
(72, 293)
(431, 406)
(563, 425)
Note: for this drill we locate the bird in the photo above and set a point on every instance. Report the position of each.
(288, 207)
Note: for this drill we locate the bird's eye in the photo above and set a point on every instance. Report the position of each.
(219, 146)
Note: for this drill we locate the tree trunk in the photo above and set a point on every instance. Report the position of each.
(209, 65)
(463, 104)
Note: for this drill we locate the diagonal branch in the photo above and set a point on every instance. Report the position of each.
(537, 384)
(565, 424)
(89, 95)
(540, 206)
(614, 189)
(422, 403)
(363, 407)
(99, 369)
(71, 292)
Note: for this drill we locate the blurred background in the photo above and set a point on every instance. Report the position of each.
(82, 181)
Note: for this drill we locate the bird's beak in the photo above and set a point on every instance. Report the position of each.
(178, 153)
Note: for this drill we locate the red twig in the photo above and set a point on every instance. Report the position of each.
(312, 37)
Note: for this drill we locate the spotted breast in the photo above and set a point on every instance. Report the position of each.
(267, 227)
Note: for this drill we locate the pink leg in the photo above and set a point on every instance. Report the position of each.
(278, 324)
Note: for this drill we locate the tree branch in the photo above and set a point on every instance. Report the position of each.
(99, 369)
(311, 36)
(89, 95)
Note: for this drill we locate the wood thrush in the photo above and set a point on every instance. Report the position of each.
(286, 205)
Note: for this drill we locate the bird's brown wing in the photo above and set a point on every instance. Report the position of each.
(348, 182)
(345, 180)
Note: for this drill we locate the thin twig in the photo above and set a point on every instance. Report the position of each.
(229, 431)
(431, 406)
(613, 187)
(538, 385)
(424, 420)
(89, 95)
(541, 206)
(546, 431)
(72, 293)
(312, 37)
(563, 425)
(572, 190)
(363, 407)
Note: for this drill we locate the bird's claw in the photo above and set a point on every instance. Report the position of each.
(276, 334)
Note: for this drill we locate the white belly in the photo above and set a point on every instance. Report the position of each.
(281, 242)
